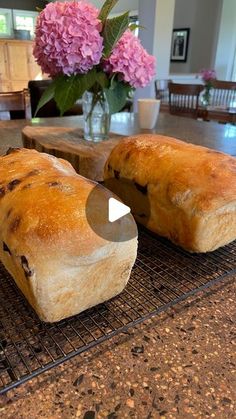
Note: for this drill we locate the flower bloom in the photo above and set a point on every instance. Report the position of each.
(67, 38)
(208, 75)
(131, 61)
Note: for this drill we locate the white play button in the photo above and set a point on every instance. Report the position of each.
(108, 217)
(116, 210)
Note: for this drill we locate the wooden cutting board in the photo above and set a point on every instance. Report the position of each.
(87, 157)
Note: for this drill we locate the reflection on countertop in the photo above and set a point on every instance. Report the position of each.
(211, 134)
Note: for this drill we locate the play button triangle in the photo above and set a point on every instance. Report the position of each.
(116, 210)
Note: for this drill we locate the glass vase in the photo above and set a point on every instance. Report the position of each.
(96, 116)
(206, 97)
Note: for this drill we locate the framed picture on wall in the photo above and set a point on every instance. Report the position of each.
(179, 45)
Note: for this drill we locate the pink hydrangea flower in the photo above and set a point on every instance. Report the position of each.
(67, 38)
(131, 61)
(208, 75)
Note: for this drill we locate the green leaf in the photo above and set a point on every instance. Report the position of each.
(70, 89)
(47, 95)
(117, 96)
(134, 26)
(106, 8)
(102, 79)
(65, 93)
(113, 30)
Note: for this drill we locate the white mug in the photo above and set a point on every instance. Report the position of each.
(148, 110)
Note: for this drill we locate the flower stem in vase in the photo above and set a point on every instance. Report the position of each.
(96, 116)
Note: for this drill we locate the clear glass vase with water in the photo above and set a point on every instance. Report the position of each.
(96, 116)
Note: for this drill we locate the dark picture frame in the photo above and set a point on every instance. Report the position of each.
(179, 45)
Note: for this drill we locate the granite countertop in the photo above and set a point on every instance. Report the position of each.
(180, 364)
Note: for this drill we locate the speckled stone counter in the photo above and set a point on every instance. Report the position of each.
(180, 364)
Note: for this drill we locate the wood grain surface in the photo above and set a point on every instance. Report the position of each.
(88, 158)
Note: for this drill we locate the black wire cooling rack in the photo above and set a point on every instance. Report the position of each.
(162, 276)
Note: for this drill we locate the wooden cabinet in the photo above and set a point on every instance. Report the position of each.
(4, 70)
(3, 61)
(34, 69)
(17, 65)
(18, 60)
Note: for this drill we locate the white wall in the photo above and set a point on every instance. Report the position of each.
(203, 18)
(162, 36)
(157, 20)
(185, 11)
(206, 29)
(227, 41)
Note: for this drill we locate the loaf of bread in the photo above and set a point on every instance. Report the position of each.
(178, 190)
(46, 243)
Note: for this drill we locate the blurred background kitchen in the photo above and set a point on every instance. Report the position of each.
(212, 38)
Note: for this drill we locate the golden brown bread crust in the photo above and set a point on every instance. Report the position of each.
(191, 189)
(46, 243)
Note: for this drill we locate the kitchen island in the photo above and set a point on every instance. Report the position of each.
(180, 363)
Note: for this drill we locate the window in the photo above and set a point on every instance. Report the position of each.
(26, 23)
(17, 19)
(24, 20)
(5, 23)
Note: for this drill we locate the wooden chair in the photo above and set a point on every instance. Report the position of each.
(15, 103)
(223, 94)
(36, 89)
(184, 99)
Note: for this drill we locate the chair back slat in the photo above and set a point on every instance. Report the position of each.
(223, 93)
(14, 101)
(184, 99)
